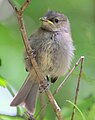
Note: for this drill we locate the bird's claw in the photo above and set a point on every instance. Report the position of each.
(44, 86)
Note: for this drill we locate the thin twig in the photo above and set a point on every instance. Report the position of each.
(13, 5)
(55, 105)
(63, 83)
(40, 76)
(24, 6)
(77, 88)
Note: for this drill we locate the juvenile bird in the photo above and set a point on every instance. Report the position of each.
(54, 51)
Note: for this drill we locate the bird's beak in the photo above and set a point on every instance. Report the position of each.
(44, 19)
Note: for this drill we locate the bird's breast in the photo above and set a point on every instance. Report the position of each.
(54, 52)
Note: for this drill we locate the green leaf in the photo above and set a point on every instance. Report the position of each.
(77, 109)
(3, 82)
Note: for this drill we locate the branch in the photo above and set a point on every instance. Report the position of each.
(13, 6)
(24, 6)
(62, 84)
(77, 88)
(40, 76)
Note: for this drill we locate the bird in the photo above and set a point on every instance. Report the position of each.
(54, 51)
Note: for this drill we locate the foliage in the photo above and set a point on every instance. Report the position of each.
(3, 82)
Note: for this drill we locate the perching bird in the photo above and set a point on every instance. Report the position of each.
(54, 51)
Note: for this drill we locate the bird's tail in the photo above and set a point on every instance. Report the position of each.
(28, 93)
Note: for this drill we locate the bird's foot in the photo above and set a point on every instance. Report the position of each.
(44, 85)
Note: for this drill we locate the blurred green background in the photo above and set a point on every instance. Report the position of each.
(81, 14)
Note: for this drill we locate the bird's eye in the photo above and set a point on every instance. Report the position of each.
(56, 20)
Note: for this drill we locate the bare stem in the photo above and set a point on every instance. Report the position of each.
(24, 6)
(77, 88)
(54, 105)
(40, 76)
(13, 6)
(62, 84)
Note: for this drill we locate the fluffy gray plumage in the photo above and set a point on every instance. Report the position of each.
(54, 51)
